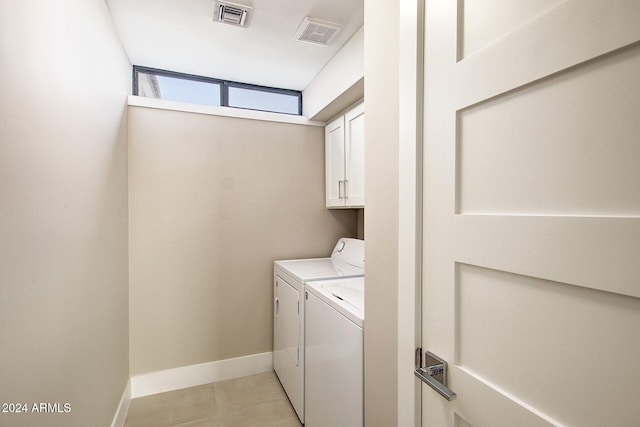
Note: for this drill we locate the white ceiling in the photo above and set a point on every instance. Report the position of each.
(180, 35)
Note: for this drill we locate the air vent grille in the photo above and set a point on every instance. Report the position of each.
(231, 13)
(317, 31)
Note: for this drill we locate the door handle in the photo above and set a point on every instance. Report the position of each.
(434, 374)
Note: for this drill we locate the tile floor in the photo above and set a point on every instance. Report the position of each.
(256, 400)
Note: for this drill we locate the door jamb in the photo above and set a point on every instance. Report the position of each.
(410, 207)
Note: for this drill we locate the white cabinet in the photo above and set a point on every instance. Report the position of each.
(344, 160)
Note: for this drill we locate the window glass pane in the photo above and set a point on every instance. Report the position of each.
(163, 84)
(255, 99)
(178, 89)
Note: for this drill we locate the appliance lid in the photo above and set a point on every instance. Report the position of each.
(304, 270)
(349, 251)
(348, 293)
(344, 295)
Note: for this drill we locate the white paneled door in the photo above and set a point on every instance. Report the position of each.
(334, 162)
(354, 156)
(531, 268)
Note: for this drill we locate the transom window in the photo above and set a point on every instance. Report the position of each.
(173, 86)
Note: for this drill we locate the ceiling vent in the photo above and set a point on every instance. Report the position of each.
(231, 13)
(317, 31)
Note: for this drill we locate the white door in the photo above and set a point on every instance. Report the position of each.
(287, 339)
(354, 156)
(334, 162)
(531, 268)
(286, 336)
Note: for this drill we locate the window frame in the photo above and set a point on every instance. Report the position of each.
(224, 87)
(290, 92)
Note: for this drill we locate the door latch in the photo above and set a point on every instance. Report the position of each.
(434, 373)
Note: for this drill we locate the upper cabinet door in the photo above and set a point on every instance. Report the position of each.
(354, 157)
(335, 163)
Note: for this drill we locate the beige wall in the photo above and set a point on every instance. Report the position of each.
(381, 214)
(213, 202)
(63, 211)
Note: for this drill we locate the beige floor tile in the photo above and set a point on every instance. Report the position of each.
(172, 408)
(272, 414)
(248, 391)
(256, 400)
(210, 422)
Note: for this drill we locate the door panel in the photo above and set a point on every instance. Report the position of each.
(491, 407)
(531, 253)
(522, 153)
(573, 33)
(460, 422)
(286, 317)
(288, 361)
(505, 16)
(354, 164)
(334, 161)
(521, 335)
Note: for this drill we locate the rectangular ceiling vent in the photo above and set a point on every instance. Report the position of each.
(317, 31)
(231, 13)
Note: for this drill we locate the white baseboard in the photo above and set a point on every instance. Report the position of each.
(203, 373)
(123, 407)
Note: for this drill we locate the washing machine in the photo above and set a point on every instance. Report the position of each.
(334, 381)
(290, 279)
